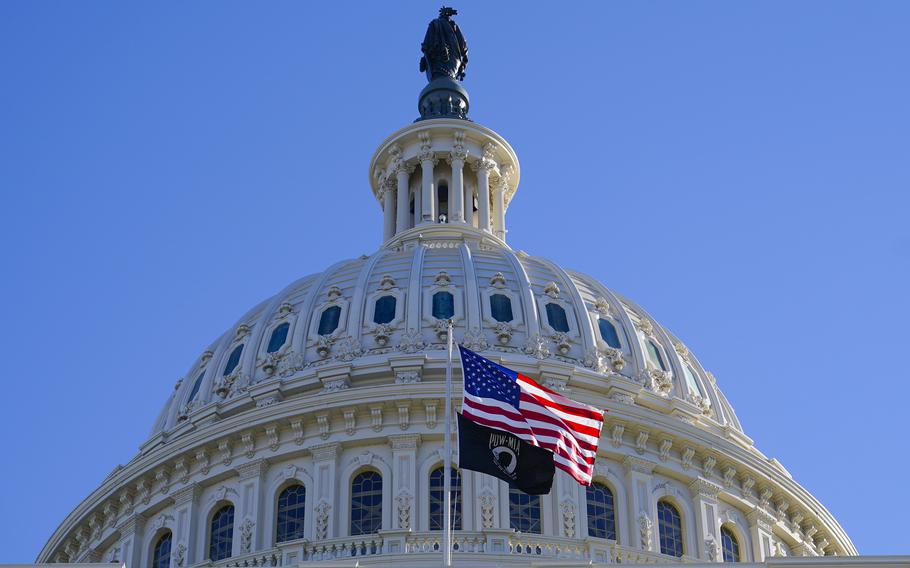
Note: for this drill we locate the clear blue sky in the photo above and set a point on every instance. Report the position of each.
(740, 169)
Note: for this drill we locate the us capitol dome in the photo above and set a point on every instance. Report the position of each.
(311, 431)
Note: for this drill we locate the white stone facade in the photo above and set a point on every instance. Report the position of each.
(344, 395)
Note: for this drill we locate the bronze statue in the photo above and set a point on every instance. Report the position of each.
(445, 52)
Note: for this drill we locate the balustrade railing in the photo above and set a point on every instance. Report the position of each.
(493, 542)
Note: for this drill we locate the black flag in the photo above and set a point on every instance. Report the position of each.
(505, 456)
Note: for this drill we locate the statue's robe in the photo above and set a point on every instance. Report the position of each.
(445, 50)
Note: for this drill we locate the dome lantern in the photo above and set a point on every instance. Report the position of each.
(444, 169)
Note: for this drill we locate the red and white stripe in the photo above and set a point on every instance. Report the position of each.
(546, 419)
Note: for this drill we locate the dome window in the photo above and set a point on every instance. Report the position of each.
(366, 503)
(524, 511)
(443, 305)
(729, 544)
(196, 384)
(601, 513)
(161, 557)
(384, 312)
(669, 527)
(328, 321)
(501, 307)
(291, 505)
(278, 337)
(221, 534)
(556, 316)
(655, 357)
(608, 333)
(233, 360)
(690, 380)
(437, 502)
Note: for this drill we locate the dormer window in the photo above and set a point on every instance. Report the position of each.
(501, 307)
(556, 316)
(278, 337)
(233, 360)
(443, 305)
(690, 380)
(654, 356)
(384, 311)
(328, 321)
(196, 385)
(608, 333)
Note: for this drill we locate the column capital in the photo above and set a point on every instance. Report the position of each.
(701, 487)
(186, 494)
(131, 525)
(403, 168)
(638, 465)
(483, 164)
(760, 518)
(325, 452)
(404, 441)
(252, 469)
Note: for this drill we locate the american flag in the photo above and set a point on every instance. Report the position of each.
(504, 399)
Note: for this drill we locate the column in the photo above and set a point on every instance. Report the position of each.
(388, 208)
(468, 201)
(325, 464)
(760, 529)
(499, 210)
(456, 190)
(642, 515)
(404, 480)
(131, 541)
(418, 207)
(428, 201)
(251, 476)
(403, 173)
(186, 513)
(483, 168)
(707, 527)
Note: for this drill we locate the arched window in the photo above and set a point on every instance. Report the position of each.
(196, 384)
(690, 380)
(556, 316)
(221, 533)
(729, 544)
(366, 503)
(437, 494)
(161, 555)
(601, 513)
(291, 504)
(669, 528)
(278, 337)
(443, 305)
(524, 511)
(384, 312)
(608, 333)
(233, 360)
(655, 357)
(501, 307)
(328, 321)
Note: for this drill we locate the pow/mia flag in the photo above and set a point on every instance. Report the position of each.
(505, 456)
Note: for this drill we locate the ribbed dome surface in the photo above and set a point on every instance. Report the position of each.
(602, 335)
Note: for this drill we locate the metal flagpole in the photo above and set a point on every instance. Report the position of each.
(447, 449)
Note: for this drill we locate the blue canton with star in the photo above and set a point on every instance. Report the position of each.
(484, 378)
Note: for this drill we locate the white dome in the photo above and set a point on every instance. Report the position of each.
(473, 267)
